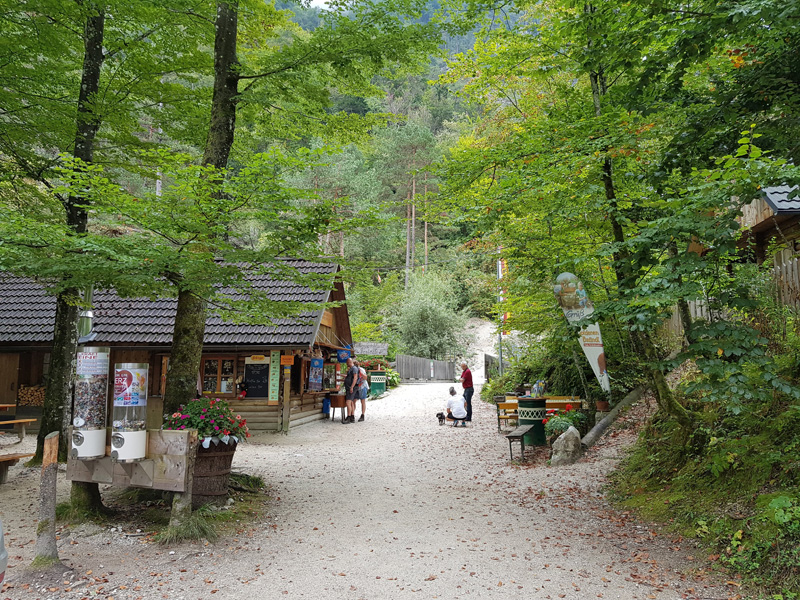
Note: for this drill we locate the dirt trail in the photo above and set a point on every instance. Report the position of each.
(394, 507)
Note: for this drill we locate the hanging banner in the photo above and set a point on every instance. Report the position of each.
(502, 273)
(315, 375)
(575, 303)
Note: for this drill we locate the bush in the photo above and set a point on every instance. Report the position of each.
(559, 422)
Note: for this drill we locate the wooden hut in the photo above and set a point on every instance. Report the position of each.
(264, 371)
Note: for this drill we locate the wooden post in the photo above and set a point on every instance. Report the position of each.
(182, 501)
(46, 549)
(287, 403)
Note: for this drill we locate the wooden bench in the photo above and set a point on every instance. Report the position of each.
(506, 411)
(9, 460)
(19, 426)
(560, 402)
(518, 435)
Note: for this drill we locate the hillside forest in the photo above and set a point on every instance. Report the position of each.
(149, 146)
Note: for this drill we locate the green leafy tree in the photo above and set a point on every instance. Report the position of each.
(428, 322)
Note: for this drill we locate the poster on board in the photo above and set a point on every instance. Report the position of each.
(315, 375)
(574, 301)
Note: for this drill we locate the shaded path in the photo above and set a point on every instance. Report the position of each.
(399, 507)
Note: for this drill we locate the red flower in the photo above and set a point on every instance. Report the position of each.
(568, 407)
(544, 421)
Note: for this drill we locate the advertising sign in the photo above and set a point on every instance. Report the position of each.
(573, 300)
(343, 355)
(315, 375)
(130, 386)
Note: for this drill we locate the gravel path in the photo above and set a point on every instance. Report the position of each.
(394, 507)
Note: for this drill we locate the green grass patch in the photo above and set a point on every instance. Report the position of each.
(70, 514)
(197, 526)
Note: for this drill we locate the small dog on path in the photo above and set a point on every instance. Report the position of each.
(442, 418)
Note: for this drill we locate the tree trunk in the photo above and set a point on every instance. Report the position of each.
(187, 351)
(190, 315)
(425, 269)
(625, 276)
(408, 237)
(226, 86)
(413, 221)
(58, 396)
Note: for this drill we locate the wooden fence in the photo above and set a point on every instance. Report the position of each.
(414, 368)
(697, 308)
(786, 274)
(786, 271)
(491, 366)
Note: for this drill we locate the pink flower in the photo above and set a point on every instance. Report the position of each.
(216, 427)
(202, 417)
(184, 416)
(211, 421)
(183, 426)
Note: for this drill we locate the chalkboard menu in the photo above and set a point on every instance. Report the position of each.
(256, 376)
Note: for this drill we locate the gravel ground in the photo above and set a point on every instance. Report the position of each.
(394, 507)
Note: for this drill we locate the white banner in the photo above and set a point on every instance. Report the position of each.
(572, 299)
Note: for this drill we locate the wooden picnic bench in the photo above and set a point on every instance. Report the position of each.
(518, 435)
(19, 426)
(506, 411)
(9, 460)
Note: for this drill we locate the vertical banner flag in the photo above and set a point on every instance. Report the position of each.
(572, 299)
(502, 273)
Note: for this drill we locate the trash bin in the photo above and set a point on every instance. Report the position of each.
(326, 405)
(377, 382)
(532, 411)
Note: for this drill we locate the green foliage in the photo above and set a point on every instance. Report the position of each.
(560, 422)
(392, 378)
(429, 323)
(246, 482)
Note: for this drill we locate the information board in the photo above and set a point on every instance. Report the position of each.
(256, 376)
(274, 377)
(372, 349)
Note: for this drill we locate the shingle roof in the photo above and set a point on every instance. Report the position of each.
(783, 199)
(27, 314)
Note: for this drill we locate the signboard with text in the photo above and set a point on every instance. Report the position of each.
(574, 301)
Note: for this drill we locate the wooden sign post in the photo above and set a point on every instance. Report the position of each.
(46, 548)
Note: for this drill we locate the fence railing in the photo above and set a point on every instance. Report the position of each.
(415, 368)
(491, 366)
(786, 275)
(786, 271)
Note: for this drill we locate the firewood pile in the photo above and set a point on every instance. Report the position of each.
(30, 395)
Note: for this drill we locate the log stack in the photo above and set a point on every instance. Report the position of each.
(30, 395)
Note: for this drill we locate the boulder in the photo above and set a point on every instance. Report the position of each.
(567, 448)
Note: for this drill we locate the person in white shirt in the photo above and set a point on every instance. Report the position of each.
(363, 389)
(456, 409)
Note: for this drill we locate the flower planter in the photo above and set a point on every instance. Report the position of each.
(602, 405)
(212, 469)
